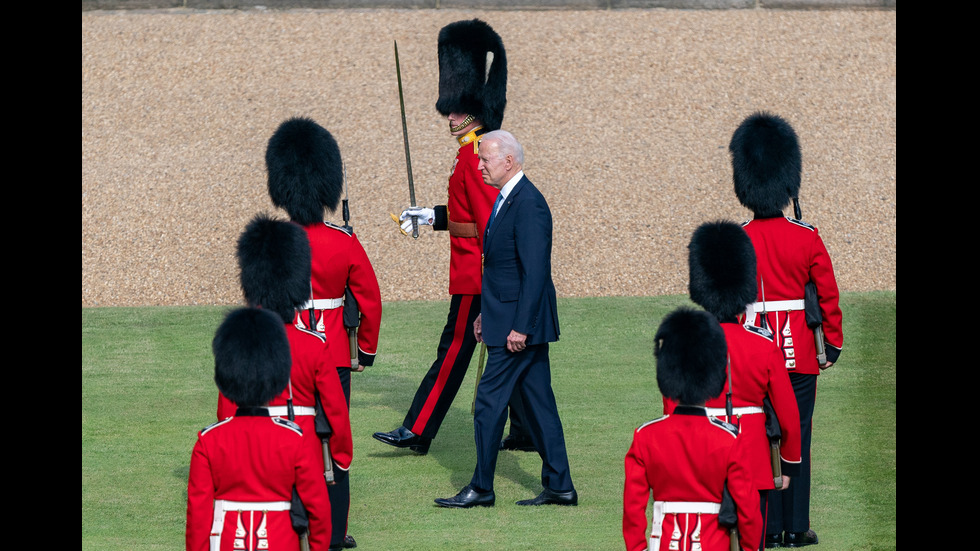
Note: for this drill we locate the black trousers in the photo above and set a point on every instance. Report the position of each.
(789, 509)
(441, 382)
(339, 493)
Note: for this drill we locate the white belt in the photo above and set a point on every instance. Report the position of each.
(743, 410)
(221, 506)
(323, 304)
(776, 306)
(661, 508)
(283, 411)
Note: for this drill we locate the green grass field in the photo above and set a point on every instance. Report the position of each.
(147, 388)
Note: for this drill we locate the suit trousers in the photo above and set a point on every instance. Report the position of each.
(789, 509)
(441, 382)
(529, 373)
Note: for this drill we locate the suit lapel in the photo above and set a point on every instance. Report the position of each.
(504, 207)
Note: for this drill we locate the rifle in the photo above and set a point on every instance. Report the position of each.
(814, 320)
(352, 315)
(300, 519)
(763, 323)
(775, 434)
(811, 306)
(298, 516)
(322, 427)
(728, 516)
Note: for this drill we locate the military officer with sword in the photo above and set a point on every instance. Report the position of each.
(472, 96)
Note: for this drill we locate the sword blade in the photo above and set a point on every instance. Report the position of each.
(408, 154)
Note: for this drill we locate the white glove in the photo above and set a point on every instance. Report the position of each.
(426, 217)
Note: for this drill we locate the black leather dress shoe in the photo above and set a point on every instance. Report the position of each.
(404, 438)
(800, 539)
(774, 540)
(466, 498)
(348, 543)
(548, 497)
(517, 443)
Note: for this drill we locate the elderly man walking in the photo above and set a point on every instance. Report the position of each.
(518, 321)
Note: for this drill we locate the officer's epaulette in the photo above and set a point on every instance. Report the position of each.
(338, 228)
(473, 137)
(761, 331)
(800, 223)
(724, 425)
(288, 424)
(317, 334)
(215, 424)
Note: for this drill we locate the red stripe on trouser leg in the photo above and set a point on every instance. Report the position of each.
(447, 364)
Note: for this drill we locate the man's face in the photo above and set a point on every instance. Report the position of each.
(460, 123)
(494, 168)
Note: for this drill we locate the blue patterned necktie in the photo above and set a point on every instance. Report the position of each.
(493, 213)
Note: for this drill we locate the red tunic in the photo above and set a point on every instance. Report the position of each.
(339, 260)
(687, 457)
(789, 253)
(254, 458)
(757, 372)
(312, 371)
(470, 201)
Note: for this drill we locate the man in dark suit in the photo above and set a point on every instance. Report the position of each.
(519, 318)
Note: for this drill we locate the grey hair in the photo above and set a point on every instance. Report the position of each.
(507, 145)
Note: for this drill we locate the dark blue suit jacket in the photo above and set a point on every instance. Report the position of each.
(518, 292)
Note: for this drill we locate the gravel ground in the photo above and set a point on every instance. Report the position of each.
(625, 117)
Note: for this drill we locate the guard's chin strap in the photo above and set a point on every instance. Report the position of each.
(462, 125)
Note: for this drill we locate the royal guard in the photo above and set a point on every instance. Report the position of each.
(306, 176)
(721, 263)
(472, 96)
(694, 466)
(246, 469)
(274, 263)
(790, 256)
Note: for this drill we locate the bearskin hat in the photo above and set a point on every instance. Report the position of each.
(251, 356)
(691, 356)
(305, 170)
(275, 262)
(721, 261)
(766, 164)
(472, 72)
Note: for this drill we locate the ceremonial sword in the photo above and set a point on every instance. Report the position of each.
(408, 155)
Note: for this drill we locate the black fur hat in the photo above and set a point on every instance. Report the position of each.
(275, 263)
(721, 261)
(251, 356)
(766, 164)
(691, 356)
(466, 84)
(306, 173)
